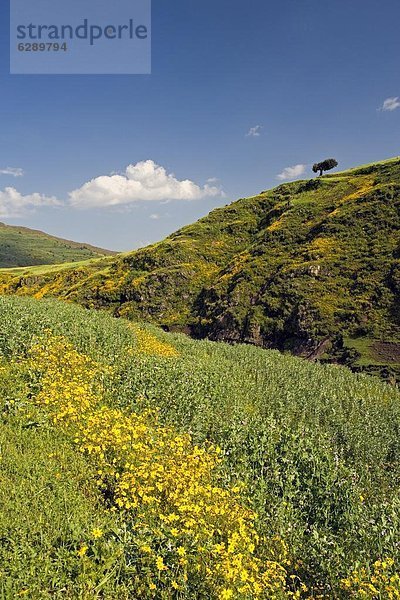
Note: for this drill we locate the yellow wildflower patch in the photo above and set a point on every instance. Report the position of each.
(150, 345)
(360, 193)
(324, 245)
(383, 581)
(190, 530)
(276, 225)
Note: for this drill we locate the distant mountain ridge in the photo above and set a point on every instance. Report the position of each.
(310, 267)
(21, 246)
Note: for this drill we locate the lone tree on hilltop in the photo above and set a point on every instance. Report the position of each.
(325, 165)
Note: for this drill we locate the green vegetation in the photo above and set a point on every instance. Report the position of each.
(20, 247)
(310, 267)
(49, 505)
(91, 263)
(316, 447)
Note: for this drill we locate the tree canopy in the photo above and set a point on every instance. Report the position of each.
(325, 165)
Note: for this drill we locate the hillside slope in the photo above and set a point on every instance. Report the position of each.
(98, 413)
(20, 247)
(312, 267)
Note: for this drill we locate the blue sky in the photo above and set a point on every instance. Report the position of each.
(308, 77)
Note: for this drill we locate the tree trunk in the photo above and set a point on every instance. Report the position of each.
(320, 172)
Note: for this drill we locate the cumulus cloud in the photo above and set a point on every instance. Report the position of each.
(14, 204)
(292, 172)
(144, 181)
(254, 131)
(14, 171)
(391, 103)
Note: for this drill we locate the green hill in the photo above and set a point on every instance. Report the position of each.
(136, 463)
(21, 247)
(311, 267)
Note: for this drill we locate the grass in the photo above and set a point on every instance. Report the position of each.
(316, 447)
(379, 163)
(49, 507)
(368, 350)
(20, 247)
(28, 271)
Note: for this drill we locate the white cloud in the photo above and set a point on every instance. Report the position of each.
(14, 171)
(391, 103)
(155, 216)
(14, 204)
(254, 131)
(144, 181)
(292, 172)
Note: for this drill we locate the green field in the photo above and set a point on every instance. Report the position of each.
(21, 247)
(314, 448)
(56, 268)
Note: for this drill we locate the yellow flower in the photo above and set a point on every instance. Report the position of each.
(181, 551)
(226, 594)
(97, 533)
(82, 550)
(150, 345)
(160, 564)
